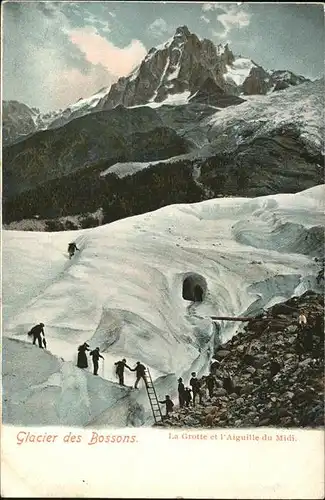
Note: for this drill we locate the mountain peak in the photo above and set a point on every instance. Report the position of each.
(182, 31)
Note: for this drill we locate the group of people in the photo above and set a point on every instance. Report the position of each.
(139, 369)
(184, 393)
(186, 396)
(198, 389)
(82, 361)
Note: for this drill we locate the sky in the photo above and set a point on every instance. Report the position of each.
(55, 53)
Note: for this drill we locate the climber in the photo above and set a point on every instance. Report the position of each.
(275, 367)
(302, 320)
(169, 405)
(120, 365)
(210, 382)
(187, 396)
(181, 392)
(95, 355)
(72, 247)
(140, 373)
(214, 366)
(228, 384)
(82, 361)
(36, 332)
(196, 386)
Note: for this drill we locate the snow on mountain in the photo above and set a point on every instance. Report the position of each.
(128, 168)
(239, 70)
(180, 66)
(124, 293)
(301, 106)
(89, 102)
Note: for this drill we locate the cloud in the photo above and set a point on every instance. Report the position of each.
(230, 16)
(233, 18)
(72, 84)
(53, 56)
(205, 19)
(98, 50)
(158, 28)
(208, 6)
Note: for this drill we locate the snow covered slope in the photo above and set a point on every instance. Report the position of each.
(300, 107)
(123, 293)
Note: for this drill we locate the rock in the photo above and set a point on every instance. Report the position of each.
(264, 421)
(238, 389)
(286, 421)
(305, 362)
(189, 420)
(210, 409)
(248, 359)
(282, 412)
(223, 353)
(220, 392)
(246, 389)
(259, 360)
(292, 398)
(291, 328)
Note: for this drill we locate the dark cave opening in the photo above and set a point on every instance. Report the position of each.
(194, 287)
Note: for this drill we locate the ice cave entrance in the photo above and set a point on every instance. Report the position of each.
(194, 287)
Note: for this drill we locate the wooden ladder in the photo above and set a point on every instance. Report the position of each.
(154, 403)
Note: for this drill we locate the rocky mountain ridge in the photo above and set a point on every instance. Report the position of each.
(270, 374)
(273, 145)
(183, 66)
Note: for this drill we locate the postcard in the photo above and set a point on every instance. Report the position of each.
(162, 250)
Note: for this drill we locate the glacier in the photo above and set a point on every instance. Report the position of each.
(123, 292)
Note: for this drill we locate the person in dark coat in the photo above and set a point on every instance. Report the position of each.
(228, 384)
(120, 365)
(214, 366)
(275, 367)
(95, 355)
(72, 247)
(82, 361)
(169, 405)
(181, 393)
(196, 386)
(210, 382)
(36, 332)
(140, 373)
(187, 396)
